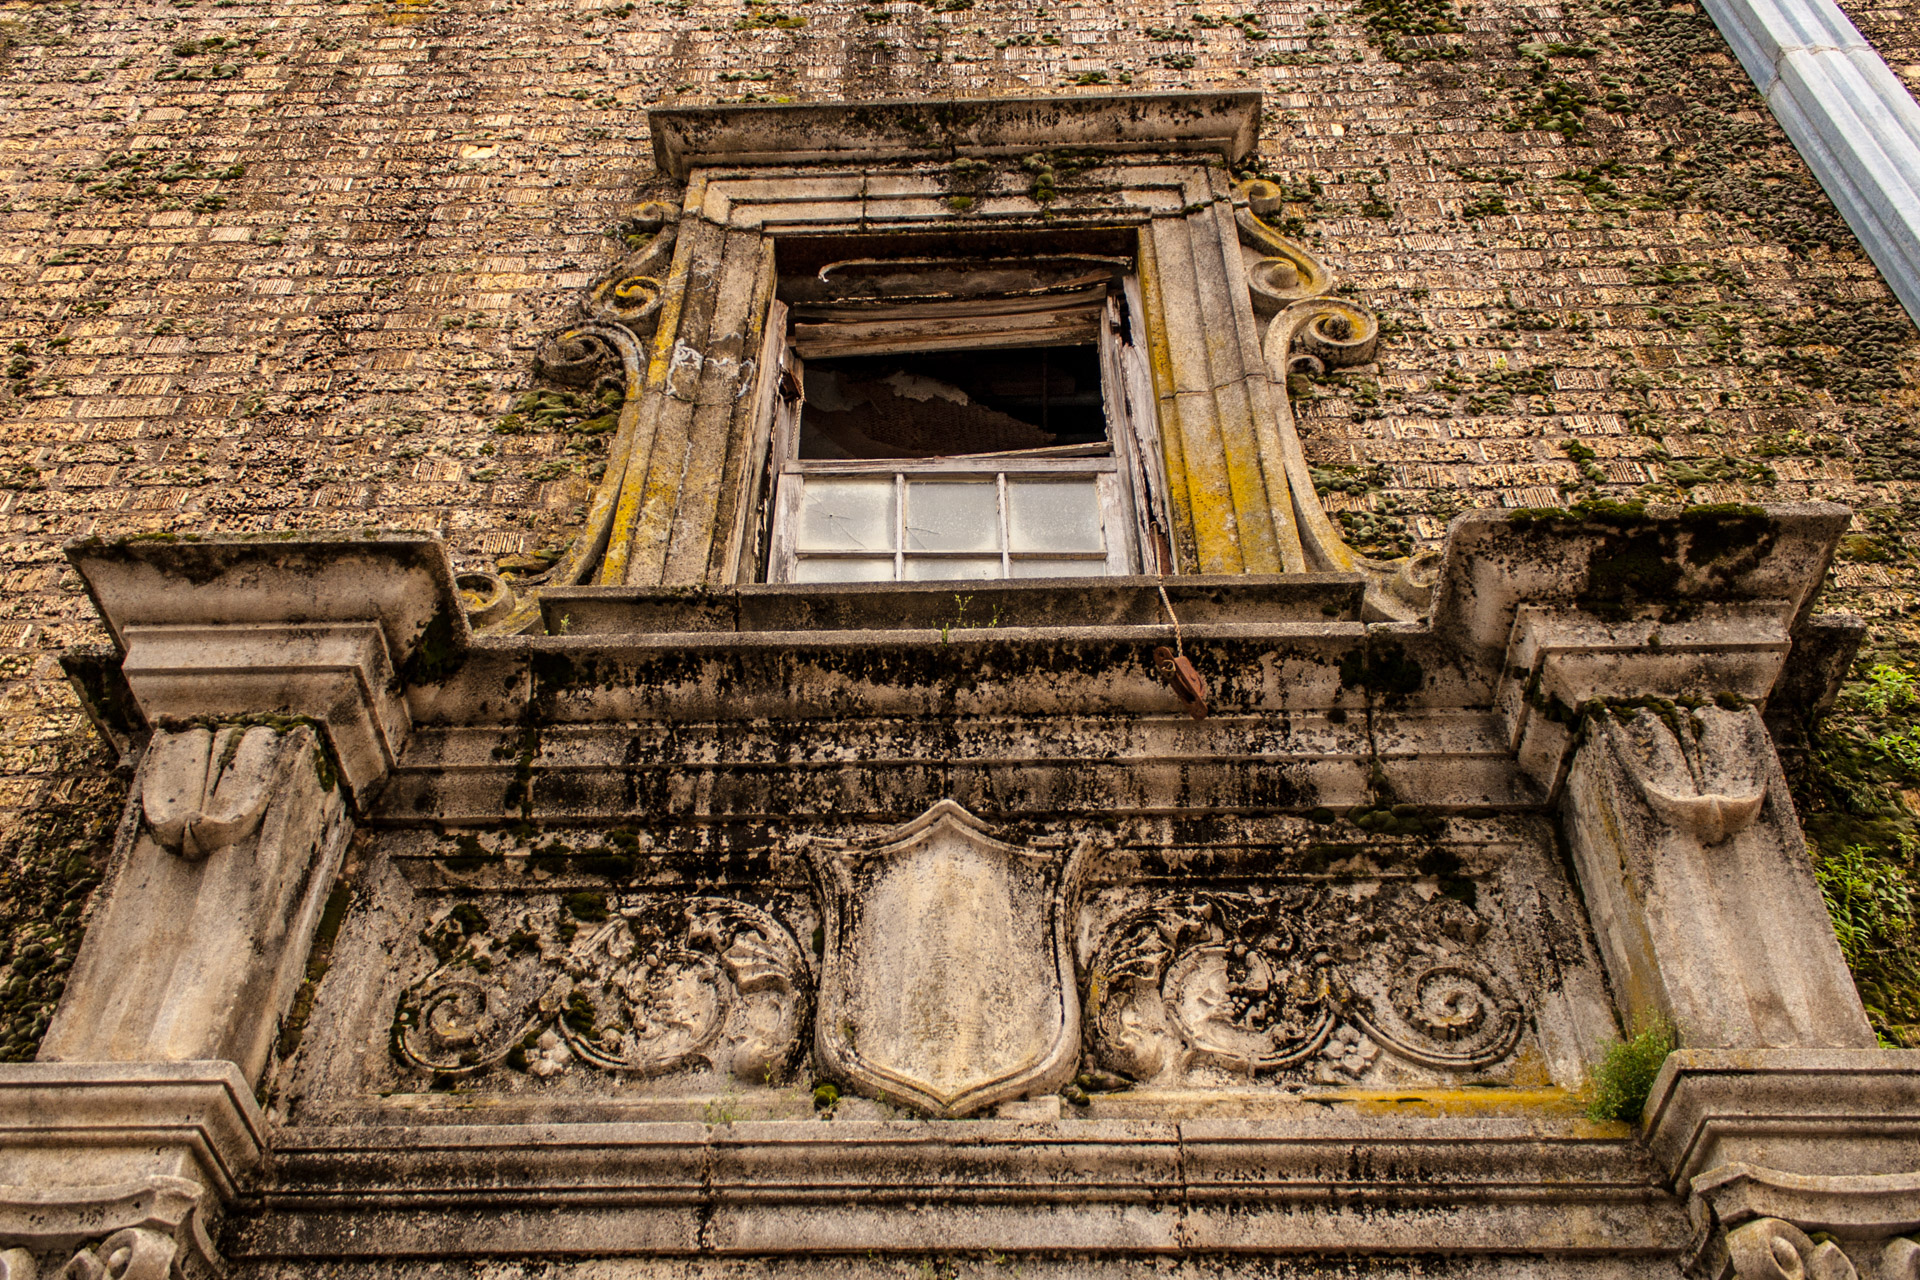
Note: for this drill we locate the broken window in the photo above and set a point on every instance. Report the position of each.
(962, 420)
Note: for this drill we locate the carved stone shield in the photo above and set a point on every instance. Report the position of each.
(947, 983)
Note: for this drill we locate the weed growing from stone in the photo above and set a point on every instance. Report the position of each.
(1624, 1077)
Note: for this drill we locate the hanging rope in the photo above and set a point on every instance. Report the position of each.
(1172, 667)
(1178, 646)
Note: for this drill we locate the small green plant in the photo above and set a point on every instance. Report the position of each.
(1888, 689)
(1625, 1075)
(1871, 901)
(1901, 749)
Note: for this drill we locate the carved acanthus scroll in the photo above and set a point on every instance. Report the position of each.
(1301, 978)
(660, 985)
(1311, 332)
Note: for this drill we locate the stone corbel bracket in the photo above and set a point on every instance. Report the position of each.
(327, 632)
(1620, 603)
(1795, 1162)
(121, 1169)
(1560, 660)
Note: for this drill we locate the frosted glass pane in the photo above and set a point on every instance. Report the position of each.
(953, 516)
(1054, 515)
(947, 570)
(849, 569)
(1059, 568)
(846, 515)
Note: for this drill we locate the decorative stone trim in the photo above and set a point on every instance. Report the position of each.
(1222, 124)
(1561, 659)
(63, 1121)
(201, 939)
(154, 1228)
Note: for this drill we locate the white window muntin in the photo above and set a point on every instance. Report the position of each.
(947, 520)
(1127, 520)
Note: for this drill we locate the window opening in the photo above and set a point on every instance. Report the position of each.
(977, 441)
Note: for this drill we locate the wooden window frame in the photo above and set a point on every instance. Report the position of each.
(1129, 477)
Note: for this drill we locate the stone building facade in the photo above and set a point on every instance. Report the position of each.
(522, 757)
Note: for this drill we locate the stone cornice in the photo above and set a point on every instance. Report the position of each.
(1220, 123)
(1319, 1180)
(203, 1111)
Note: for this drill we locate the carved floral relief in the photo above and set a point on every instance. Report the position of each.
(1316, 982)
(640, 984)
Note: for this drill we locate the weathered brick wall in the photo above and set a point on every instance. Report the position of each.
(274, 264)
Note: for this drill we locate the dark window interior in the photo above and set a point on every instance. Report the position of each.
(948, 403)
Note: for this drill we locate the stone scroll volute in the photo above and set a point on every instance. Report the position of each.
(1775, 1249)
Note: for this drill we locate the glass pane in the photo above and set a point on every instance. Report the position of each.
(931, 570)
(1059, 568)
(839, 569)
(953, 516)
(1054, 515)
(846, 515)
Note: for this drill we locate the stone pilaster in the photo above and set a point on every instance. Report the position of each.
(267, 682)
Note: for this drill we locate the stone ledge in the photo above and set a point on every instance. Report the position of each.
(1800, 1111)
(96, 1123)
(1337, 1181)
(1197, 599)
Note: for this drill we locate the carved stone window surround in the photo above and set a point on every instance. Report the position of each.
(1230, 308)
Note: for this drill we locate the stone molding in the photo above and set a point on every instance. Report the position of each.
(1609, 563)
(686, 138)
(1851, 119)
(1782, 1108)
(402, 582)
(339, 675)
(1314, 1181)
(182, 1120)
